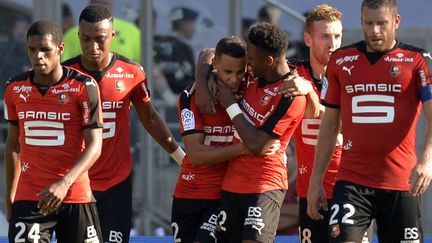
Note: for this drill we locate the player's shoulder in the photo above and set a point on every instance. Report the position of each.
(72, 61)
(19, 78)
(298, 62)
(408, 47)
(73, 74)
(127, 63)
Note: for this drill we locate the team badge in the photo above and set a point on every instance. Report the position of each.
(63, 98)
(119, 85)
(395, 70)
(335, 230)
(265, 99)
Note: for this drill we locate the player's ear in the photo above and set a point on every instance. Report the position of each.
(60, 48)
(307, 39)
(113, 34)
(214, 63)
(269, 60)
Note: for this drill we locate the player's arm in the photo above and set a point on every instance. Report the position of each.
(201, 154)
(421, 174)
(295, 85)
(329, 130)
(204, 99)
(258, 142)
(52, 196)
(157, 128)
(13, 168)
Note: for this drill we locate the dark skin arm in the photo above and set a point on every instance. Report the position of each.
(13, 168)
(155, 126)
(204, 99)
(201, 154)
(52, 196)
(257, 141)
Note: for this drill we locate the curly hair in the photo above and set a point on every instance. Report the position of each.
(44, 28)
(322, 12)
(269, 38)
(95, 13)
(232, 46)
(374, 4)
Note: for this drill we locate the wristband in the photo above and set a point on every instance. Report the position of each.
(234, 110)
(178, 155)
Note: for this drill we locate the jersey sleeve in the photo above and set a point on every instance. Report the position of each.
(189, 116)
(10, 113)
(330, 92)
(423, 72)
(141, 93)
(288, 112)
(90, 105)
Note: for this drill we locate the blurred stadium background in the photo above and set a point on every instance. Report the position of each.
(154, 174)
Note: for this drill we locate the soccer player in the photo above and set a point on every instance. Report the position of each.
(323, 35)
(121, 82)
(208, 140)
(375, 87)
(54, 137)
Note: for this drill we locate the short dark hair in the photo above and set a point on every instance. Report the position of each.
(232, 46)
(268, 37)
(374, 4)
(44, 28)
(95, 13)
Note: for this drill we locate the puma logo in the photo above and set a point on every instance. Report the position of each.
(24, 97)
(427, 55)
(344, 68)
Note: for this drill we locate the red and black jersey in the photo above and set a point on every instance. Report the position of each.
(379, 102)
(202, 182)
(120, 83)
(276, 115)
(51, 122)
(306, 137)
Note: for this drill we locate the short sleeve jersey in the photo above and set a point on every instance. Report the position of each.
(276, 115)
(121, 83)
(379, 102)
(51, 127)
(204, 182)
(306, 137)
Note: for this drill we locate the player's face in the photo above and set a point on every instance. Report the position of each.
(379, 27)
(230, 70)
(324, 38)
(256, 59)
(95, 39)
(44, 53)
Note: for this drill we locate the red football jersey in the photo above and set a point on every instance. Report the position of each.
(51, 127)
(306, 137)
(379, 102)
(120, 83)
(202, 182)
(275, 115)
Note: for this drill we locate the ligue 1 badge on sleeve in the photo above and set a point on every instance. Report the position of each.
(120, 85)
(63, 98)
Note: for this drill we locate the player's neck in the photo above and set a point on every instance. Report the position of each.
(318, 70)
(96, 66)
(51, 78)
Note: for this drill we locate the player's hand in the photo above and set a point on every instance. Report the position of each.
(294, 85)
(52, 196)
(316, 200)
(204, 99)
(225, 95)
(420, 178)
(275, 146)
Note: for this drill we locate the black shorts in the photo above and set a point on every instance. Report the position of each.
(72, 223)
(115, 211)
(252, 216)
(317, 230)
(397, 214)
(195, 220)
(312, 230)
